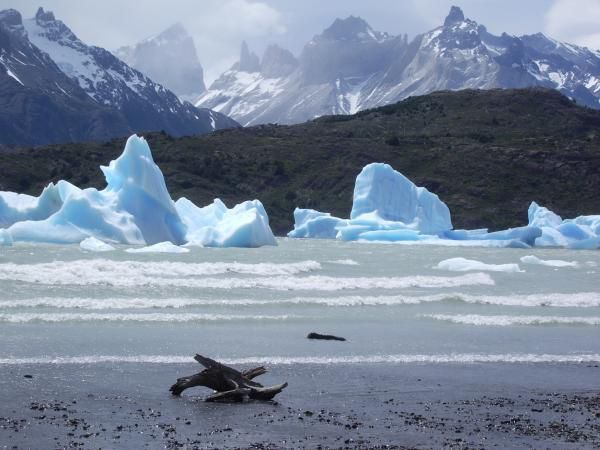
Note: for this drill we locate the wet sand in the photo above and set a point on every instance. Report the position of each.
(125, 406)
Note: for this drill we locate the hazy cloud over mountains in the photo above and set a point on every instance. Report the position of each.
(219, 26)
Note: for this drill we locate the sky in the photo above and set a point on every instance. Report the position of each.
(219, 26)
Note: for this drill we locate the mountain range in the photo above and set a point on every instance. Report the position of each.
(55, 88)
(351, 67)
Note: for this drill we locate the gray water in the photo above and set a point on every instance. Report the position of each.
(61, 304)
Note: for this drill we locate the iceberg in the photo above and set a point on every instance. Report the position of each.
(388, 207)
(91, 244)
(582, 232)
(244, 225)
(314, 224)
(465, 265)
(161, 247)
(134, 208)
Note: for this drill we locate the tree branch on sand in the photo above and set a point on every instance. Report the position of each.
(229, 384)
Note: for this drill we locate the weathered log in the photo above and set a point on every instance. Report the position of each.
(229, 384)
(325, 337)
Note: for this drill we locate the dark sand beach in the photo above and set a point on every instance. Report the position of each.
(125, 406)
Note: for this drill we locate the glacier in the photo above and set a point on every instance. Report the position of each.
(388, 207)
(134, 208)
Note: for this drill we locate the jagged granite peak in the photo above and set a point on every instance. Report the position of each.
(455, 15)
(249, 61)
(350, 67)
(171, 59)
(277, 62)
(351, 28)
(11, 18)
(110, 82)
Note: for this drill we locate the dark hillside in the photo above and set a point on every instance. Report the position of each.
(487, 154)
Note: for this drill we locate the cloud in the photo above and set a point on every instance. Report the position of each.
(577, 22)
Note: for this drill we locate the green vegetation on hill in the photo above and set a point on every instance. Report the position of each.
(487, 154)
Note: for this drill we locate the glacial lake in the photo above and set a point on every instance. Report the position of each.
(59, 304)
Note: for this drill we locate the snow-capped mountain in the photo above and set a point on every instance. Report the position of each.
(43, 57)
(38, 103)
(350, 67)
(170, 59)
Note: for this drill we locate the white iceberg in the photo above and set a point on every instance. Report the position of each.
(134, 208)
(91, 244)
(465, 265)
(161, 247)
(388, 207)
(531, 259)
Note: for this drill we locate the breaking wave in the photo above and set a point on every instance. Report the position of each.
(450, 358)
(577, 300)
(150, 317)
(504, 321)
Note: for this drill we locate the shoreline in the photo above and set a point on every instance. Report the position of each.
(127, 405)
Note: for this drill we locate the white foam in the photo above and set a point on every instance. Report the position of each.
(117, 317)
(505, 321)
(450, 358)
(464, 265)
(531, 259)
(576, 300)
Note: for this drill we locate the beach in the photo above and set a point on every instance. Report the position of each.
(332, 406)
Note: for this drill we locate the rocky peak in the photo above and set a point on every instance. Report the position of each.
(11, 18)
(277, 62)
(455, 16)
(351, 29)
(44, 16)
(249, 62)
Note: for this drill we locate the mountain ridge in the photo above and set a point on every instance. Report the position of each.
(350, 67)
(83, 91)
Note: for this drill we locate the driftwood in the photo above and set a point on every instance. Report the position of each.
(325, 337)
(228, 383)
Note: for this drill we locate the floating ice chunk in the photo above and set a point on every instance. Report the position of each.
(464, 265)
(244, 225)
(161, 247)
(309, 223)
(531, 259)
(91, 244)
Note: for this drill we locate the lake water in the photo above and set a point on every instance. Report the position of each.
(59, 304)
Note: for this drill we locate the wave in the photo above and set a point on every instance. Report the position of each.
(93, 271)
(150, 317)
(504, 321)
(108, 274)
(577, 300)
(449, 358)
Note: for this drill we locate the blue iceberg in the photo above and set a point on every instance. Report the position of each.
(134, 208)
(583, 232)
(389, 207)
